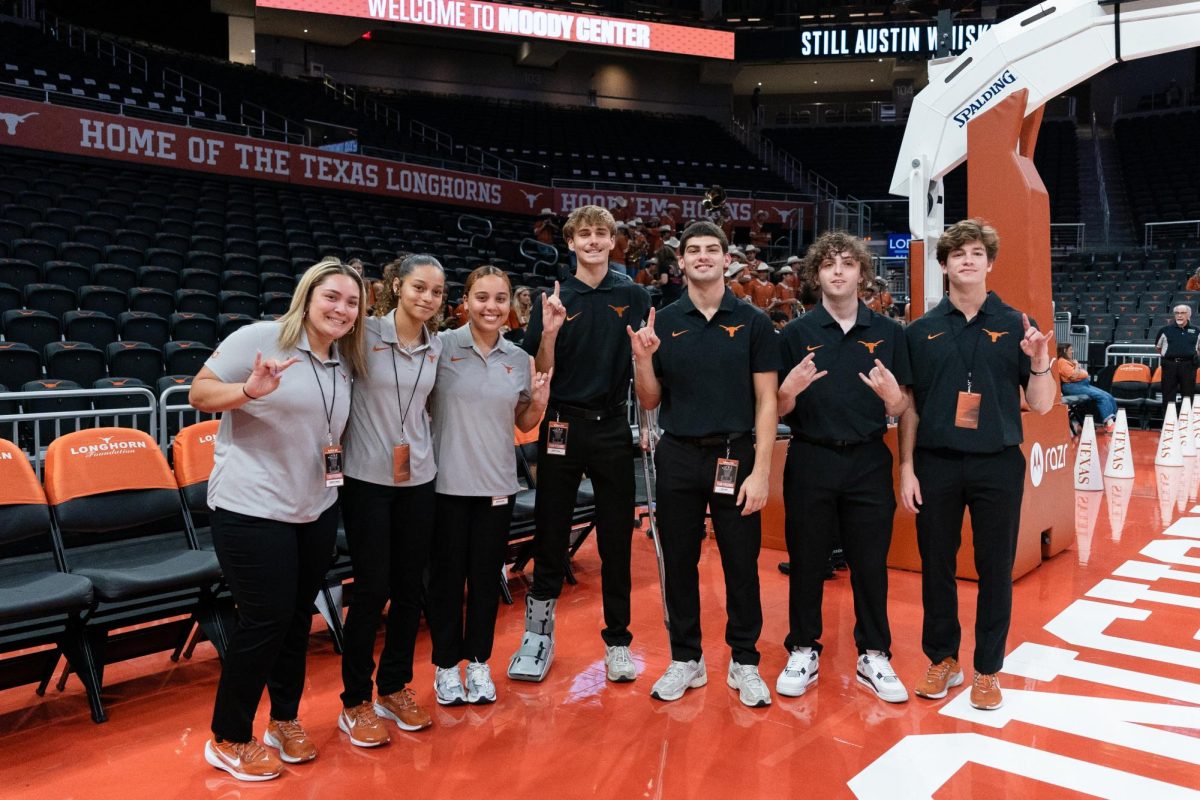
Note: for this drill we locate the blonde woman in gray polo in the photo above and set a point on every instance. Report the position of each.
(388, 501)
(484, 388)
(283, 390)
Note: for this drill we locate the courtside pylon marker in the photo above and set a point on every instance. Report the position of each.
(1120, 456)
(1087, 460)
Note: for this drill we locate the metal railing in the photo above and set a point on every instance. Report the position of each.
(174, 415)
(1168, 233)
(427, 133)
(269, 125)
(1105, 213)
(477, 228)
(894, 269)
(489, 163)
(32, 431)
(878, 112)
(1067, 235)
(96, 44)
(1129, 353)
(204, 96)
(1079, 337)
(1062, 326)
(658, 188)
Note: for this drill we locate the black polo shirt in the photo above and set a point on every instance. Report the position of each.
(1181, 342)
(943, 348)
(839, 406)
(593, 363)
(706, 367)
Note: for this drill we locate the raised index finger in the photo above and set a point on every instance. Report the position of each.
(650, 319)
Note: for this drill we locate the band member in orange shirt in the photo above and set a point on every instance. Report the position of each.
(758, 236)
(545, 230)
(733, 277)
(787, 292)
(762, 291)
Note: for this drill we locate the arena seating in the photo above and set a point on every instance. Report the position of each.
(1160, 189)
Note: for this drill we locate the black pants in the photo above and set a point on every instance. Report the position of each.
(389, 530)
(604, 450)
(827, 491)
(468, 549)
(684, 486)
(274, 570)
(1178, 376)
(990, 485)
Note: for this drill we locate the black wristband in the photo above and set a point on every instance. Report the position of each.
(252, 397)
(1043, 372)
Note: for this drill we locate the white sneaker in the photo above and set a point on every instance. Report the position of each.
(449, 687)
(679, 677)
(876, 673)
(800, 672)
(752, 689)
(480, 688)
(618, 662)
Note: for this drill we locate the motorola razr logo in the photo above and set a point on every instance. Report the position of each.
(989, 94)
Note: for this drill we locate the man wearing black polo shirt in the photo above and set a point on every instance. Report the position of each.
(714, 372)
(1177, 346)
(960, 448)
(579, 331)
(843, 370)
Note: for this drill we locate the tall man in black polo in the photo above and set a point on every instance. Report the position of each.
(1177, 346)
(579, 333)
(714, 373)
(960, 448)
(843, 373)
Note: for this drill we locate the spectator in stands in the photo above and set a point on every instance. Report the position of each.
(585, 429)
(1177, 345)
(620, 210)
(474, 410)
(670, 274)
(752, 261)
(759, 237)
(522, 307)
(648, 275)
(886, 302)
(387, 504)
(762, 290)
(1193, 281)
(655, 234)
(545, 230)
(283, 391)
(778, 319)
(725, 221)
(637, 249)
(732, 280)
(620, 245)
(786, 291)
(675, 213)
(1075, 381)
(870, 297)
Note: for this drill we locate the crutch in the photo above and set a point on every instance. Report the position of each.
(647, 441)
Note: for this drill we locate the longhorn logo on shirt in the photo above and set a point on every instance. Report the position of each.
(619, 309)
(995, 336)
(508, 368)
(870, 345)
(731, 329)
(432, 358)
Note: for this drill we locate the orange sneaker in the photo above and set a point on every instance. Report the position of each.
(401, 707)
(292, 742)
(985, 692)
(939, 679)
(362, 725)
(246, 761)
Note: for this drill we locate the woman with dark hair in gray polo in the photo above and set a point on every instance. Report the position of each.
(388, 501)
(283, 390)
(484, 388)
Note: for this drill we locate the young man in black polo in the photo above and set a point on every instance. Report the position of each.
(844, 371)
(960, 448)
(714, 373)
(1177, 346)
(579, 332)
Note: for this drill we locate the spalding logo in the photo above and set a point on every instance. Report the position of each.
(993, 91)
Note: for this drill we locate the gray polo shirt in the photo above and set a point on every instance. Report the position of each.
(268, 454)
(374, 428)
(474, 412)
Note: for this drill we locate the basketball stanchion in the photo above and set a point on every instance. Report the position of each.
(1169, 453)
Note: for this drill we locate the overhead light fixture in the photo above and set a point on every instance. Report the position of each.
(306, 30)
(753, 19)
(814, 83)
(872, 80)
(760, 83)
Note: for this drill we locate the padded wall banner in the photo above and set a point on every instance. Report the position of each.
(558, 25)
(92, 134)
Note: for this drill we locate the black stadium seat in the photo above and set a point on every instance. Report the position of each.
(19, 363)
(18, 272)
(185, 358)
(115, 401)
(134, 360)
(105, 299)
(276, 303)
(144, 326)
(155, 301)
(194, 328)
(228, 323)
(81, 253)
(118, 276)
(240, 303)
(49, 297)
(155, 277)
(34, 328)
(197, 302)
(200, 280)
(78, 362)
(33, 250)
(94, 327)
(66, 273)
(240, 281)
(10, 298)
(52, 401)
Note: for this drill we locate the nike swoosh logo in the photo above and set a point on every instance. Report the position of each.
(577, 313)
(677, 333)
(811, 347)
(456, 358)
(378, 347)
(934, 335)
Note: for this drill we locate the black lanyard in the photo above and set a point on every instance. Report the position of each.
(970, 365)
(312, 362)
(396, 373)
